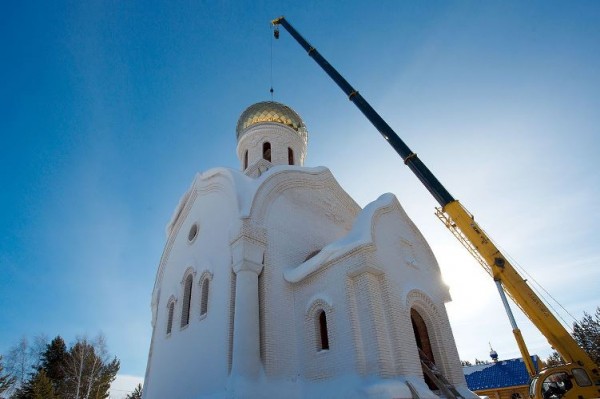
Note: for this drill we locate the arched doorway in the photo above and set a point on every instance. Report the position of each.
(423, 343)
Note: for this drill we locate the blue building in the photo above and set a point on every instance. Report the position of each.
(501, 379)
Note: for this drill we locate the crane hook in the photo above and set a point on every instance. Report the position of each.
(276, 32)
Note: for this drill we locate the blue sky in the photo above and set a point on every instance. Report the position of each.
(108, 109)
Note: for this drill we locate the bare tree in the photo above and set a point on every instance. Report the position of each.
(18, 362)
(89, 370)
(37, 349)
(23, 359)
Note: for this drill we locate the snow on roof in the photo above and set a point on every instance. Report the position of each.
(244, 187)
(360, 234)
(505, 373)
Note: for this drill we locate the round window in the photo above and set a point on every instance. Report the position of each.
(193, 232)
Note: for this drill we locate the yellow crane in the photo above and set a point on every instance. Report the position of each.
(579, 378)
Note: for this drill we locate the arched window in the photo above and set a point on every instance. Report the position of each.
(290, 156)
(267, 151)
(322, 333)
(246, 160)
(204, 298)
(187, 295)
(171, 310)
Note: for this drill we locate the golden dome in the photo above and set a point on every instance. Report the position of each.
(271, 111)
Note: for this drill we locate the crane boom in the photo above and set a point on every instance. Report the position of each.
(411, 159)
(462, 223)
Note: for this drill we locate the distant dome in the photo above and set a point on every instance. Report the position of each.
(271, 111)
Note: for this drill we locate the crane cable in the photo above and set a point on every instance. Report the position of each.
(541, 290)
(538, 288)
(274, 35)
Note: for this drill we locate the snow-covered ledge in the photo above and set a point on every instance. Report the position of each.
(360, 236)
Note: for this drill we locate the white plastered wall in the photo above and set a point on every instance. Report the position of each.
(203, 345)
(301, 213)
(280, 137)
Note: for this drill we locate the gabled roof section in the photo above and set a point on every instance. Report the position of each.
(242, 186)
(361, 234)
(249, 194)
(503, 374)
(279, 178)
(178, 211)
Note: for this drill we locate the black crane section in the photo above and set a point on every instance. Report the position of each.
(411, 159)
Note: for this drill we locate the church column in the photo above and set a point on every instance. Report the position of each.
(247, 254)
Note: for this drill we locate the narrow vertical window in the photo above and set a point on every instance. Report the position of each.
(187, 295)
(290, 156)
(324, 341)
(204, 300)
(170, 317)
(267, 151)
(246, 160)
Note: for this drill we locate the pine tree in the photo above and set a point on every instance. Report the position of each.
(42, 387)
(587, 334)
(6, 380)
(38, 386)
(136, 394)
(106, 377)
(53, 362)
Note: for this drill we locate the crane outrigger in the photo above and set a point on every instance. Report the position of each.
(579, 378)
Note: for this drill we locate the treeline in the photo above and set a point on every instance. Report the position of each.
(587, 334)
(52, 370)
(585, 331)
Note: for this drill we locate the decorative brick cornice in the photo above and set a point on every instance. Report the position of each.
(248, 244)
(245, 265)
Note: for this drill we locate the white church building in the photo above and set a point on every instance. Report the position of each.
(274, 283)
